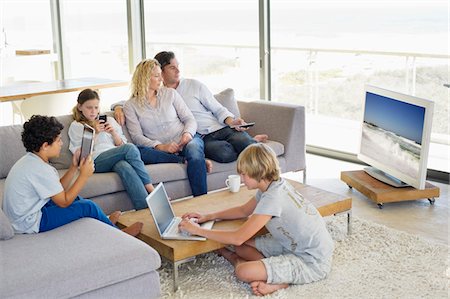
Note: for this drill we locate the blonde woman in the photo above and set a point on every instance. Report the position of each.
(158, 119)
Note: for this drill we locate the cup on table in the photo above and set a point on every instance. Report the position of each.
(233, 182)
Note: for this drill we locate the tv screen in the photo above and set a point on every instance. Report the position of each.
(395, 136)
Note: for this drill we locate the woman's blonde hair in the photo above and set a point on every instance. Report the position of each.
(83, 97)
(259, 162)
(141, 79)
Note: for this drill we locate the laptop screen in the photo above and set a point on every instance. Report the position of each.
(160, 207)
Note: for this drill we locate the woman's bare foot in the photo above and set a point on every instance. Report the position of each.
(261, 138)
(114, 216)
(133, 229)
(209, 165)
(261, 288)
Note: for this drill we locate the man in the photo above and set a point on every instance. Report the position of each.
(222, 143)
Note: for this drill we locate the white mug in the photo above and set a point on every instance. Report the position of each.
(233, 182)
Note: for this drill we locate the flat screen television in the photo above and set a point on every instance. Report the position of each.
(395, 137)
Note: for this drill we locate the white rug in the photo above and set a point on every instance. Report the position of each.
(373, 262)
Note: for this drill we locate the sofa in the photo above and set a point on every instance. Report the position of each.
(87, 258)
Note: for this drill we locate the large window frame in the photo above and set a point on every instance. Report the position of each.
(136, 40)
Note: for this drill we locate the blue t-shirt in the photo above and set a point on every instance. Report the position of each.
(30, 184)
(296, 223)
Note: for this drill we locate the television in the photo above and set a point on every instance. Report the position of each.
(395, 137)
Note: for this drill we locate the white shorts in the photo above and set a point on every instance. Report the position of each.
(282, 266)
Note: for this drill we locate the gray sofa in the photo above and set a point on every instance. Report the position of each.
(89, 259)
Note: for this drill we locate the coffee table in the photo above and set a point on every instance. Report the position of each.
(179, 252)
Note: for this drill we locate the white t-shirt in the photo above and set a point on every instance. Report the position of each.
(30, 184)
(296, 223)
(103, 140)
(208, 112)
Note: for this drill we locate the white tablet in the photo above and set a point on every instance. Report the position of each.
(87, 142)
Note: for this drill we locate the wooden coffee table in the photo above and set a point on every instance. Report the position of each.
(179, 252)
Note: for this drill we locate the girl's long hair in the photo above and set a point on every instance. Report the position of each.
(84, 96)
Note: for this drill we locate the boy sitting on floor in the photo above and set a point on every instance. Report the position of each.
(298, 249)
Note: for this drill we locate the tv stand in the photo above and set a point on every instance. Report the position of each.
(384, 177)
(382, 193)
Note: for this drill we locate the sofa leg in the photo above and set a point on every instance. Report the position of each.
(304, 176)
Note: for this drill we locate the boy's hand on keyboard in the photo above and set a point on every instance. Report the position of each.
(200, 218)
(189, 225)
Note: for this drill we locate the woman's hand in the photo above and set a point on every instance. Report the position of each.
(185, 139)
(168, 147)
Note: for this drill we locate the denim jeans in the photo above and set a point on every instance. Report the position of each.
(196, 166)
(226, 144)
(150, 155)
(125, 160)
(54, 216)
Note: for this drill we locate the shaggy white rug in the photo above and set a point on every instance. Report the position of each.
(373, 262)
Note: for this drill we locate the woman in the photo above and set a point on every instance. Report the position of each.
(111, 150)
(158, 118)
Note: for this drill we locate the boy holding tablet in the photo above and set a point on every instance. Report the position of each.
(36, 199)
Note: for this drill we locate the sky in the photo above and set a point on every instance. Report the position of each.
(396, 116)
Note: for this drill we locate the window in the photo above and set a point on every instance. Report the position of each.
(215, 41)
(95, 38)
(324, 52)
(23, 30)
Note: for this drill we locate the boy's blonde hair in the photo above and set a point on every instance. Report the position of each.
(259, 162)
(141, 79)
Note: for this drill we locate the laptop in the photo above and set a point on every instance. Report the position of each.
(165, 220)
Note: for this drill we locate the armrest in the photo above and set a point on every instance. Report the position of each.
(284, 123)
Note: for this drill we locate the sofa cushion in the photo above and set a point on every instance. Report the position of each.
(65, 157)
(74, 259)
(11, 147)
(226, 98)
(6, 230)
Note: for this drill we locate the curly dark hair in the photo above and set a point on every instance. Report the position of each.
(38, 130)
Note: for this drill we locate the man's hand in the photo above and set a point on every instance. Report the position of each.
(236, 122)
(119, 115)
(168, 147)
(185, 139)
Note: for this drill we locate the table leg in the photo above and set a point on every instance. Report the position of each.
(175, 271)
(349, 220)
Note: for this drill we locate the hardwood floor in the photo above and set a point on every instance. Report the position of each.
(415, 217)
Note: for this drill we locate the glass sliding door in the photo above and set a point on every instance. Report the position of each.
(324, 52)
(95, 38)
(215, 41)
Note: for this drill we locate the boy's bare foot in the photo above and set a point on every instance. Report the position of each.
(133, 229)
(261, 288)
(209, 165)
(114, 216)
(261, 138)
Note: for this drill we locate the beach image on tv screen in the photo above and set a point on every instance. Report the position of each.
(392, 133)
